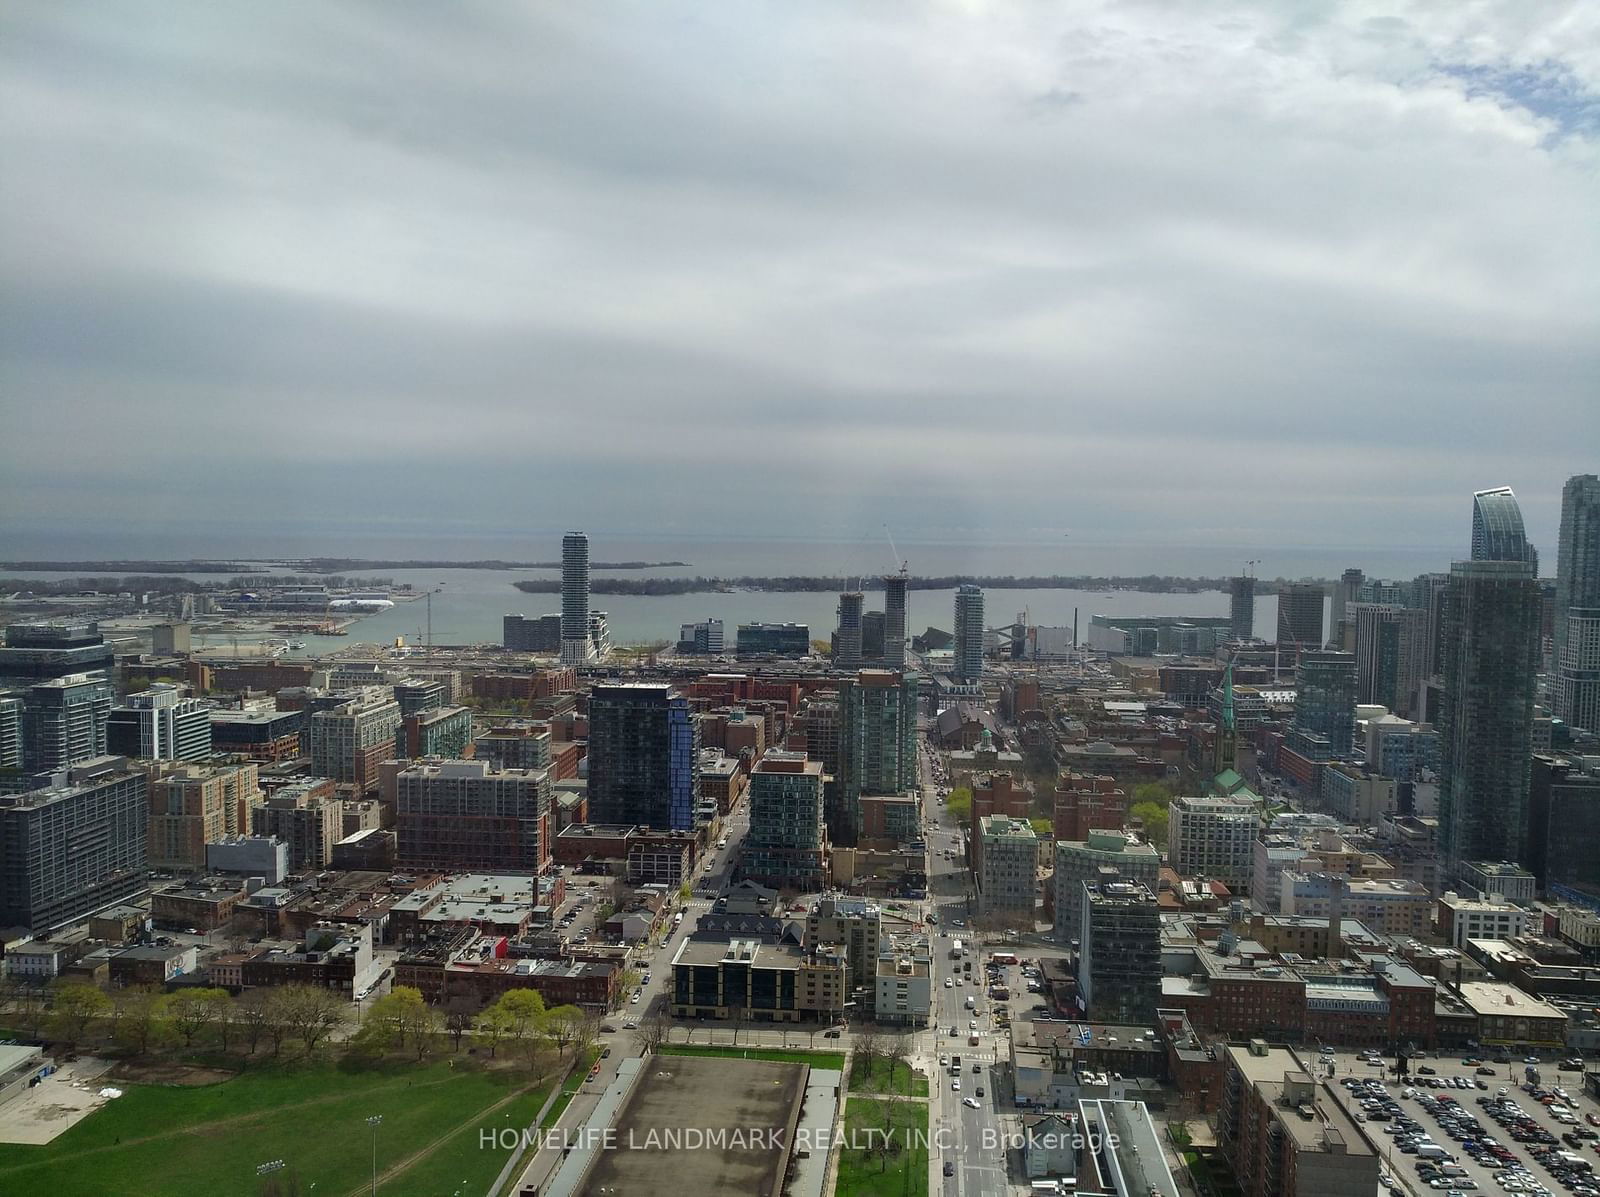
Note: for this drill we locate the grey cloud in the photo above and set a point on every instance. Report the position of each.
(955, 265)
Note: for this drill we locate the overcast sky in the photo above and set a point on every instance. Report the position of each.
(1279, 273)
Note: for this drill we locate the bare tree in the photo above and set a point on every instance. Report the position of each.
(897, 1054)
(868, 1046)
(252, 1014)
(653, 1030)
(457, 1022)
(308, 1013)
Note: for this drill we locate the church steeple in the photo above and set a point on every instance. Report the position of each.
(1225, 744)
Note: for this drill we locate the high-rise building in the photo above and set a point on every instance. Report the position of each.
(541, 634)
(1577, 613)
(351, 732)
(160, 724)
(576, 647)
(847, 640)
(1242, 607)
(1009, 872)
(785, 846)
(41, 650)
(303, 817)
(968, 634)
(1346, 590)
(644, 752)
(1497, 530)
(772, 639)
(705, 638)
(438, 731)
(1119, 952)
(64, 721)
(1103, 852)
(523, 744)
(1325, 698)
(877, 744)
(195, 805)
(68, 851)
(1390, 648)
(1491, 661)
(460, 816)
(1214, 837)
(10, 731)
(1300, 615)
(895, 587)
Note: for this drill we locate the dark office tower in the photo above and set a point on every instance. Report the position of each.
(1429, 590)
(847, 640)
(644, 751)
(1577, 612)
(64, 721)
(968, 665)
(873, 639)
(1390, 647)
(1491, 660)
(1346, 590)
(1497, 532)
(539, 635)
(1300, 615)
(877, 744)
(1242, 607)
(40, 650)
(576, 647)
(10, 731)
(70, 850)
(1325, 698)
(895, 587)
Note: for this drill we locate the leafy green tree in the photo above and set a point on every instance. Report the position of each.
(525, 1015)
(1152, 791)
(1154, 817)
(400, 1017)
(959, 803)
(492, 1028)
(141, 1021)
(73, 1010)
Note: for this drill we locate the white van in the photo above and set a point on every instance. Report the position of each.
(1432, 1151)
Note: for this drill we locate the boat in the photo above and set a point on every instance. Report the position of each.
(295, 645)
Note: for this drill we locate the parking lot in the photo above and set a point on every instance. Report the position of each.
(1470, 1124)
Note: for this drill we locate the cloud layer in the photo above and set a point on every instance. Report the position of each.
(1266, 273)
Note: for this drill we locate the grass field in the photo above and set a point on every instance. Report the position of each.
(160, 1141)
(833, 1060)
(873, 1077)
(867, 1173)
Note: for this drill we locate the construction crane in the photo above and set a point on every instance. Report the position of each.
(900, 563)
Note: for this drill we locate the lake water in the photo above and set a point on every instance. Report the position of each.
(467, 605)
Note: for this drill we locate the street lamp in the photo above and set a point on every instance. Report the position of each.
(375, 1122)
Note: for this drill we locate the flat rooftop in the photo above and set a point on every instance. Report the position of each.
(1487, 997)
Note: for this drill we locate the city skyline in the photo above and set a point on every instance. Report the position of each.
(1037, 248)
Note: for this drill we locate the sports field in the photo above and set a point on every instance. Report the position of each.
(171, 1141)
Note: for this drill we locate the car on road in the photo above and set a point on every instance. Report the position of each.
(955, 1085)
(949, 1168)
(971, 1102)
(630, 1026)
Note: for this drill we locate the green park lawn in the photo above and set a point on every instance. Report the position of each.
(872, 1076)
(159, 1140)
(867, 1174)
(833, 1060)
